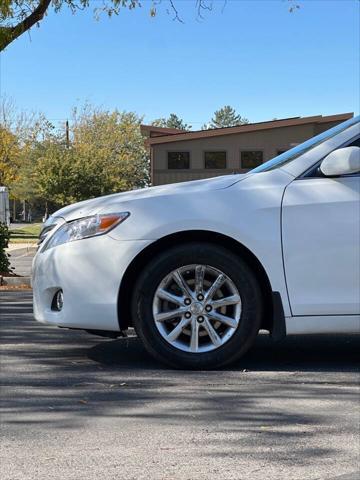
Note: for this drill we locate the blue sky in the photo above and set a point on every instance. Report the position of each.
(254, 55)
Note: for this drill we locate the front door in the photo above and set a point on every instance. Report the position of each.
(321, 245)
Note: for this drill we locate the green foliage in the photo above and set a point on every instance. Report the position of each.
(18, 16)
(107, 154)
(4, 241)
(226, 117)
(172, 122)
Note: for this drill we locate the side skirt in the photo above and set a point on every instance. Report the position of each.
(323, 324)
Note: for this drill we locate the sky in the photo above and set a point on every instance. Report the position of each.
(253, 55)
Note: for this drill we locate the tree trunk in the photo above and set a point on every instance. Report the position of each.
(9, 34)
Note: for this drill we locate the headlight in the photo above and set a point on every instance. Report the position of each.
(86, 227)
(49, 225)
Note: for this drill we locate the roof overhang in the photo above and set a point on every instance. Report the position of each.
(250, 127)
(153, 131)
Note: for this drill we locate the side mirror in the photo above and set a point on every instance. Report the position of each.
(343, 161)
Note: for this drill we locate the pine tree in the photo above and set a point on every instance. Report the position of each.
(172, 122)
(227, 117)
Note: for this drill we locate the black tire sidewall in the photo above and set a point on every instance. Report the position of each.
(197, 253)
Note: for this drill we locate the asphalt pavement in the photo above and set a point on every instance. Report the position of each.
(76, 406)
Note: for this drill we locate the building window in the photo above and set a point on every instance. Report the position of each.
(178, 160)
(215, 160)
(251, 158)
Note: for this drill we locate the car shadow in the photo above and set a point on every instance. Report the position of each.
(307, 353)
(58, 379)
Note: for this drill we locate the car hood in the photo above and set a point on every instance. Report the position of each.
(96, 205)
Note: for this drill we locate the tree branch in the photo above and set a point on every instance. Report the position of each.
(176, 13)
(9, 34)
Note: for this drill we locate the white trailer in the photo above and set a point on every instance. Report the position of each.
(4, 206)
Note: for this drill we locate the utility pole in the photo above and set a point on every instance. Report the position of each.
(67, 134)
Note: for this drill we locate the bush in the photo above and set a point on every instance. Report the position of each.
(4, 241)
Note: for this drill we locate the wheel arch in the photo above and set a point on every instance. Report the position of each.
(138, 263)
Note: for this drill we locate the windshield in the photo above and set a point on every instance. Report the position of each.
(295, 152)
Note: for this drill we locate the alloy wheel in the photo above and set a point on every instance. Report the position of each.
(197, 308)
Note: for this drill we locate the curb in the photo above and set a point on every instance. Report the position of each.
(15, 281)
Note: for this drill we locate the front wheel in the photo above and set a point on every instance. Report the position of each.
(197, 306)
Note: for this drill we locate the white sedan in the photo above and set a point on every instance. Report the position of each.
(199, 268)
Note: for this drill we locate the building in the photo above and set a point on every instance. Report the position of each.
(178, 156)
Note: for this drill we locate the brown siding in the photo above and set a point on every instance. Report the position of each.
(269, 141)
(322, 127)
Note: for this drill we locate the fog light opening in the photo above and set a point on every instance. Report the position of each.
(58, 301)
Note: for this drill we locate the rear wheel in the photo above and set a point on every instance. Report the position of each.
(197, 306)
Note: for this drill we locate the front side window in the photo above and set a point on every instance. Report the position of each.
(315, 169)
(178, 160)
(355, 143)
(215, 160)
(251, 158)
(305, 147)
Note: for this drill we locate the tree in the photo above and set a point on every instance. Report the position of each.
(226, 117)
(20, 134)
(19, 16)
(9, 142)
(106, 155)
(9, 156)
(172, 122)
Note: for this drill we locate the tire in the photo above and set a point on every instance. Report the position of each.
(191, 350)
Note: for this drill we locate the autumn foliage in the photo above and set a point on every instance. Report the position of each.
(103, 152)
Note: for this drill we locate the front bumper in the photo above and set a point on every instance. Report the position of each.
(89, 272)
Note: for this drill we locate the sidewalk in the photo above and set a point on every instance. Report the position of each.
(21, 256)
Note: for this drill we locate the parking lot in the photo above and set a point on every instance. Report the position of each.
(76, 406)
